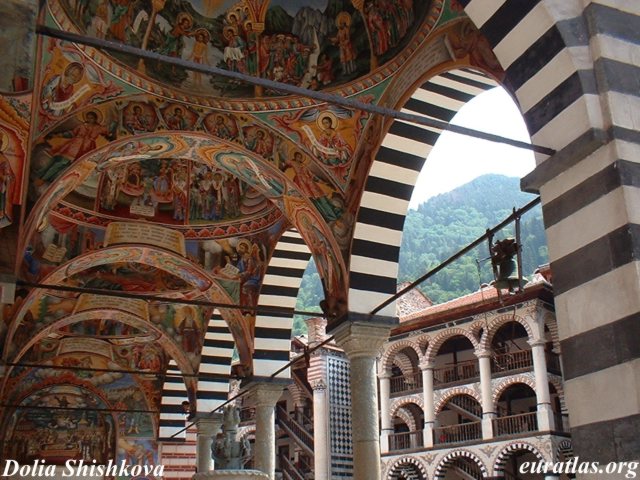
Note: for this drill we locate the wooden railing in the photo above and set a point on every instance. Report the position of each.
(297, 431)
(463, 432)
(289, 470)
(405, 441)
(515, 424)
(453, 373)
(406, 383)
(518, 360)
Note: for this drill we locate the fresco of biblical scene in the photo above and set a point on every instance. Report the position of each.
(238, 263)
(66, 144)
(100, 328)
(222, 126)
(139, 118)
(314, 44)
(11, 164)
(185, 324)
(330, 135)
(128, 277)
(179, 117)
(69, 83)
(58, 240)
(171, 191)
(61, 426)
(312, 182)
(17, 43)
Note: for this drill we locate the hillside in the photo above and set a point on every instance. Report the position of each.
(443, 225)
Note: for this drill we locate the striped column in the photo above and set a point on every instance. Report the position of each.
(215, 365)
(279, 289)
(574, 67)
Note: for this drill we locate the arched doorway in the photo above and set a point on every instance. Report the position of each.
(459, 420)
(455, 362)
(517, 411)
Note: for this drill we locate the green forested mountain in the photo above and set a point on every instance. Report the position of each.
(448, 222)
(443, 225)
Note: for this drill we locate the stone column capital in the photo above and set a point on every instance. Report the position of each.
(536, 342)
(265, 393)
(427, 365)
(484, 353)
(385, 374)
(363, 338)
(208, 424)
(318, 384)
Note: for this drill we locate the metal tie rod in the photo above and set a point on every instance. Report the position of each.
(273, 375)
(460, 253)
(288, 89)
(259, 309)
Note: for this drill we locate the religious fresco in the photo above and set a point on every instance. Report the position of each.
(67, 143)
(330, 134)
(11, 158)
(238, 263)
(316, 45)
(70, 82)
(82, 414)
(14, 134)
(51, 433)
(17, 43)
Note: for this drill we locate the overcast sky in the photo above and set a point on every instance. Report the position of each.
(456, 159)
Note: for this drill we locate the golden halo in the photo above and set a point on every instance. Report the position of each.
(343, 17)
(331, 116)
(97, 112)
(181, 16)
(245, 242)
(204, 32)
(231, 29)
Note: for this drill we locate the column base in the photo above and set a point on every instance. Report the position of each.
(546, 420)
(487, 427)
(230, 475)
(427, 435)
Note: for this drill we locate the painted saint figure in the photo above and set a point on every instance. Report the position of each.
(343, 40)
(78, 141)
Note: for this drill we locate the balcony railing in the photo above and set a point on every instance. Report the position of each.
(405, 441)
(506, 362)
(466, 370)
(404, 384)
(515, 424)
(463, 432)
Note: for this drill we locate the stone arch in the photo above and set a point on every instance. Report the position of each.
(437, 342)
(452, 392)
(511, 448)
(450, 457)
(499, 321)
(407, 417)
(564, 450)
(393, 175)
(388, 356)
(399, 403)
(257, 172)
(413, 461)
(498, 390)
(543, 127)
(404, 363)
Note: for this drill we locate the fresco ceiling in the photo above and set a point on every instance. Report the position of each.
(142, 178)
